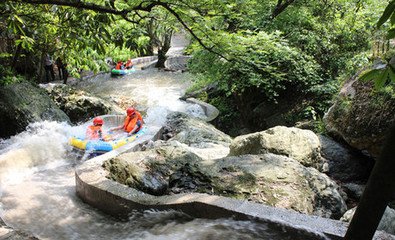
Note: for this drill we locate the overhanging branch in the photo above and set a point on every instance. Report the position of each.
(91, 6)
(281, 6)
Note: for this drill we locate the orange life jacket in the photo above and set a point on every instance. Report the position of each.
(129, 64)
(130, 122)
(119, 66)
(94, 132)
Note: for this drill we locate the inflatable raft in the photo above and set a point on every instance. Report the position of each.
(102, 146)
(120, 72)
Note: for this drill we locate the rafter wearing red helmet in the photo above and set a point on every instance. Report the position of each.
(95, 132)
(133, 122)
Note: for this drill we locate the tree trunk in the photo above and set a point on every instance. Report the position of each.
(163, 50)
(161, 59)
(379, 191)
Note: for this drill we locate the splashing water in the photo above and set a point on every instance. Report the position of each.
(43, 143)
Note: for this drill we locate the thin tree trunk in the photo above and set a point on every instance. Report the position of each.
(41, 67)
(16, 56)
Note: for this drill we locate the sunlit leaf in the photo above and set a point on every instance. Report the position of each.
(387, 13)
(19, 19)
(382, 79)
(371, 74)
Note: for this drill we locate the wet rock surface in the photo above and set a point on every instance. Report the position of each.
(23, 103)
(80, 106)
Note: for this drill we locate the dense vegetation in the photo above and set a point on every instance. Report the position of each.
(309, 48)
(250, 52)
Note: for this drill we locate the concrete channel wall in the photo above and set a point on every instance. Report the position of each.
(210, 111)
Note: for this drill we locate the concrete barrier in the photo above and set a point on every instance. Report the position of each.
(142, 60)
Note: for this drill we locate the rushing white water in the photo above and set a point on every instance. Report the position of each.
(37, 185)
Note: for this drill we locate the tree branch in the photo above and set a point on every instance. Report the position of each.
(200, 41)
(145, 6)
(281, 6)
(91, 6)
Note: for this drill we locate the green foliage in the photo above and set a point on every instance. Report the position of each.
(310, 113)
(332, 32)
(388, 91)
(384, 74)
(381, 76)
(121, 54)
(227, 115)
(7, 76)
(258, 60)
(305, 49)
(83, 39)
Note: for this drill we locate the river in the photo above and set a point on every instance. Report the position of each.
(37, 182)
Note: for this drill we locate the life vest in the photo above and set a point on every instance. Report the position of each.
(94, 132)
(130, 122)
(129, 64)
(119, 66)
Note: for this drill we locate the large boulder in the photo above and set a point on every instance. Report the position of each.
(170, 167)
(361, 116)
(344, 163)
(299, 144)
(279, 181)
(163, 168)
(199, 136)
(129, 169)
(80, 106)
(23, 103)
(191, 131)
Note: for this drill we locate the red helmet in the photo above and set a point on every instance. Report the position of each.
(130, 111)
(98, 121)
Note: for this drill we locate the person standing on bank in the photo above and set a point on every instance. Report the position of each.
(49, 72)
(133, 122)
(65, 73)
(59, 64)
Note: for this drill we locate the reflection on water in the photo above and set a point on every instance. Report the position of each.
(37, 185)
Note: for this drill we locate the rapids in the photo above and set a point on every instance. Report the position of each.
(37, 185)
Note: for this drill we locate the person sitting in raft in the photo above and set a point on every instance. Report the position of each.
(119, 65)
(95, 132)
(133, 122)
(128, 64)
